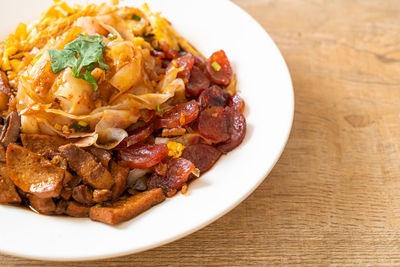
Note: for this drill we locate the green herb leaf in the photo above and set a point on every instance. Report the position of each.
(136, 17)
(61, 59)
(88, 77)
(89, 50)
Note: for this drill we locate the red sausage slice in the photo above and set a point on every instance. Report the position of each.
(214, 125)
(198, 82)
(219, 69)
(213, 97)
(178, 116)
(203, 156)
(237, 129)
(186, 62)
(142, 156)
(236, 102)
(178, 173)
(137, 136)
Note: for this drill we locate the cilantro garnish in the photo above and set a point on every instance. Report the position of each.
(89, 50)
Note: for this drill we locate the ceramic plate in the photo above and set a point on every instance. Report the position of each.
(263, 81)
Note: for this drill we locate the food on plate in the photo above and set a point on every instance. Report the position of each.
(107, 110)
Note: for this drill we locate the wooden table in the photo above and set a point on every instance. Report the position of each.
(334, 196)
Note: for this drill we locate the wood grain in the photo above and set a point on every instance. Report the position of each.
(333, 199)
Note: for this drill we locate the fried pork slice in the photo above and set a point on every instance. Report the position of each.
(102, 155)
(32, 173)
(75, 209)
(42, 205)
(120, 175)
(8, 193)
(86, 166)
(45, 145)
(124, 210)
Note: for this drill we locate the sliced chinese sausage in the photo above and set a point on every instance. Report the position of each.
(32, 173)
(142, 156)
(237, 130)
(137, 135)
(198, 82)
(186, 62)
(44, 145)
(124, 210)
(86, 166)
(218, 68)
(83, 194)
(213, 124)
(178, 116)
(213, 97)
(120, 175)
(178, 173)
(236, 102)
(199, 62)
(203, 156)
(8, 192)
(169, 52)
(42, 205)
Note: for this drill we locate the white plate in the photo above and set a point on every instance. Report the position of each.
(264, 83)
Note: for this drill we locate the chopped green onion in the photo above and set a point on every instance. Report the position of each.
(80, 126)
(216, 66)
(147, 35)
(159, 111)
(164, 189)
(112, 36)
(136, 17)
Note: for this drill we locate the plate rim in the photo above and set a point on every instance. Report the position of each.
(228, 208)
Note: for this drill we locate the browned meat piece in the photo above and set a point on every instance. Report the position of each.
(102, 155)
(33, 173)
(83, 194)
(120, 175)
(8, 193)
(85, 165)
(61, 206)
(46, 145)
(74, 181)
(124, 210)
(42, 205)
(2, 153)
(68, 178)
(10, 132)
(66, 193)
(101, 195)
(75, 209)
